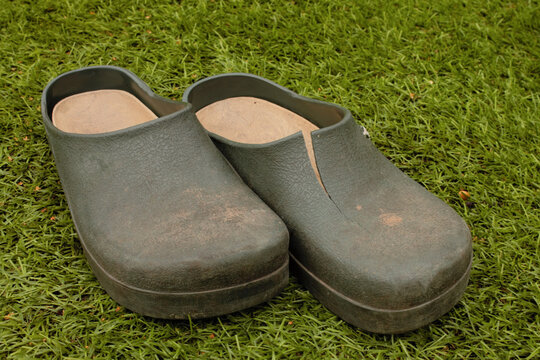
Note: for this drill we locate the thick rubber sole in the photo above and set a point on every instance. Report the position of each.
(375, 320)
(194, 305)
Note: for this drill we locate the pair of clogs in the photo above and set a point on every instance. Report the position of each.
(194, 208)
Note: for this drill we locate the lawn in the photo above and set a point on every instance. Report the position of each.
(449, 91)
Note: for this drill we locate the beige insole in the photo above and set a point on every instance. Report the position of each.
(100, 111)
(256, 121)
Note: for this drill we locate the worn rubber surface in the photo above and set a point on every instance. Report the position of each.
(370, 237)
(385, 321)
(168, 227)
(194, 305)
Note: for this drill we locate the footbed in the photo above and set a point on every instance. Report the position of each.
(252, 120)
(100, 111)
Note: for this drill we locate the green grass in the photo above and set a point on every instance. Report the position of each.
(449, 90)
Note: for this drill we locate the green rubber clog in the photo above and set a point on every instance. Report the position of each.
(168, 227)
(371, 244)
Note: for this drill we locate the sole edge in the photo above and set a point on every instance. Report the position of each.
(192, 305)
(382, 321)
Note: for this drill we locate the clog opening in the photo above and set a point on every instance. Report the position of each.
(102, 99)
